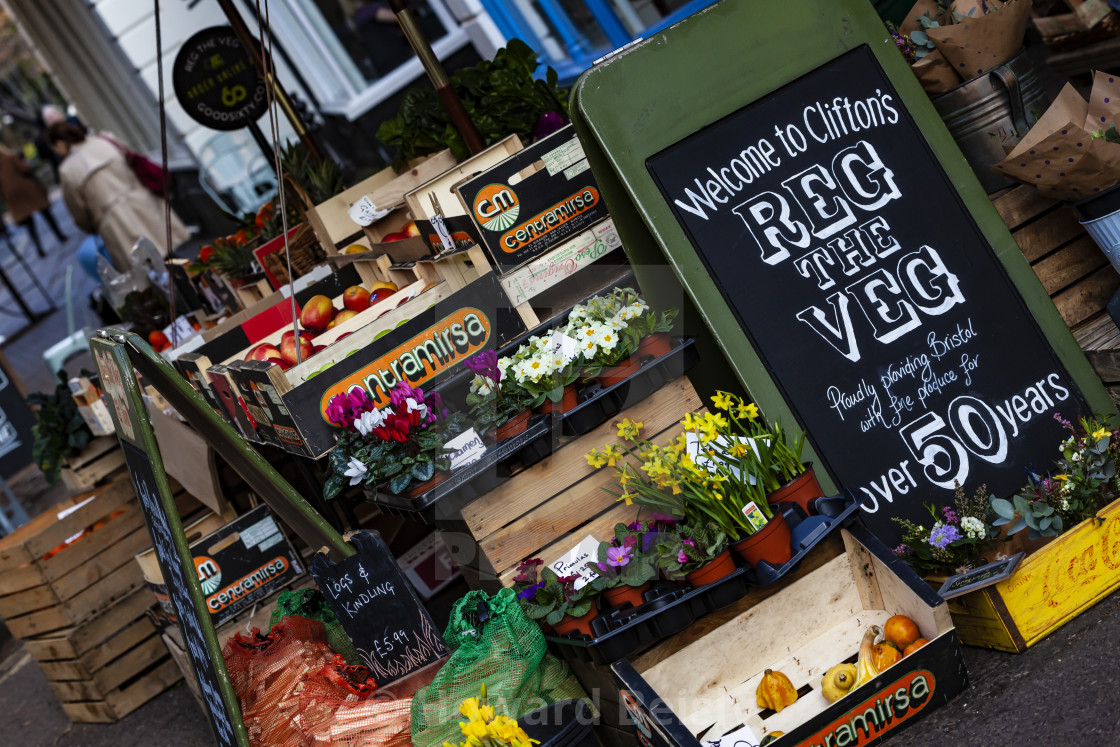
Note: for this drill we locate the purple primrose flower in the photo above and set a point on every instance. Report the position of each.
(681, 557)
(530, 593)
(619, 556)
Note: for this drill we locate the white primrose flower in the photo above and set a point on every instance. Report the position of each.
(368, 421)
(589, 347)
(355, 471)
(607, 337)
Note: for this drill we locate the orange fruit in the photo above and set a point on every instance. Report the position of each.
(901, 631)
(914, 646)
(884, 654)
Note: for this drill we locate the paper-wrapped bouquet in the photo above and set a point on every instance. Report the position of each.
(1073, 151)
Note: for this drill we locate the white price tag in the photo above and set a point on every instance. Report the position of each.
(744, 736)
(466, 448)
(564, 346)
(364, 212)
(578, 562)
(182, 330)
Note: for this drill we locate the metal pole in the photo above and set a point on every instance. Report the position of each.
(252, 48)
(437, 75)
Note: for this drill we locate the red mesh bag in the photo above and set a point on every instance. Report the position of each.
(267, 672)
(337, 706)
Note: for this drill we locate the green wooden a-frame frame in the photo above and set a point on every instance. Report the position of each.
(726, 73)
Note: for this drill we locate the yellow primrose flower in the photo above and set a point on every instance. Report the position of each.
(595, 459)
(723, 400)
(629, 429)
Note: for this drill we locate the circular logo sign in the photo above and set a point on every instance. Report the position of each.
(215, 81)
(209, 574)
(496, 207)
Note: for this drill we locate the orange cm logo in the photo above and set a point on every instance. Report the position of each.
(496, 207)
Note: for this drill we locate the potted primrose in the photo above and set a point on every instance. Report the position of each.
(554, 600)
(627, 564)
(498, 403)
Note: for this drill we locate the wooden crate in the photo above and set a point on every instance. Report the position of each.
(109, 665)
(546, 509)
(700, 684)
(42, 591)
(1050, 587)
(99, 460)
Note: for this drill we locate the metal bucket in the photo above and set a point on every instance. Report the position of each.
(988, 115)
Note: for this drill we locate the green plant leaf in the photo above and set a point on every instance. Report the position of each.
(423, 471)
(1003, 508)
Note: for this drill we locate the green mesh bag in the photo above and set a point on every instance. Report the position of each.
(310, 603)
(507, 651)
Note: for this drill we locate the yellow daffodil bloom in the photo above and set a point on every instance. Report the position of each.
(750, 412)
(723, 400)
(629, 429)
(595, 459)
(628, 498)
(1061, 478)
(690, 422)
(613, 454)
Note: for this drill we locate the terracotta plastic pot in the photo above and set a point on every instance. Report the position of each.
(615, 374)
(771, 543)
(569, 624)
(715, 569)
(620, 595)
(515, 426)
(655, 345)
(566, 403)
(802, 490)
(424, 487)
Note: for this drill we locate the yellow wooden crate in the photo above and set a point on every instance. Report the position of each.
(1050, 587)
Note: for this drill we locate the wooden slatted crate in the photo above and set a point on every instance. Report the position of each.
(109, 665)
(48, 583)
(546, 509)
(99, 460)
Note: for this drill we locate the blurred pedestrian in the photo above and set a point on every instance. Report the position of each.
(104, 196)
(24, 196)
(47, 116)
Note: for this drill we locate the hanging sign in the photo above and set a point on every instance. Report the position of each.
(378, 609)
(149, 480)
(216, 82)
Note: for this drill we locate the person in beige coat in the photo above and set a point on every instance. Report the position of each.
(105, 197)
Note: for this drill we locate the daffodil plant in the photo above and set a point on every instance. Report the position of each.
(708, 473)
(485, 728)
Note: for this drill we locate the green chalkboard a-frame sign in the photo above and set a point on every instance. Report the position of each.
(116, 354)
(779, 167)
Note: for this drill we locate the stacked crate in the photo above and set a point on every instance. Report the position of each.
(69, 587)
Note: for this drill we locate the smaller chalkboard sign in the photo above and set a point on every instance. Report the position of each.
(379, 610)
(978, 578)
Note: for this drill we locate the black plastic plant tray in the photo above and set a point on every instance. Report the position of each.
(831, 511)
(475, 479)
(599, 405)
(603, 403)
(669, 609)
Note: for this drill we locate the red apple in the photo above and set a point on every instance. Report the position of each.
(410, 229)
(317, 313)
(289, 334)
(262, 352)
(393, 237)
(284, 365)
(316, 349)
(380, 291)
(341, 317)
(288, 350)
(355, 298)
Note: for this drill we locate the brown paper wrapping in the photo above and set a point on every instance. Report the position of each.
(977, 44)
(921, 8)
(935, 75)
(1059, 154)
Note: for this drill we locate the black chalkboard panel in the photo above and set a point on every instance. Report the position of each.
(978, 578)
(144, 482)
(869, 292)
(379, 610)
(16, 421)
